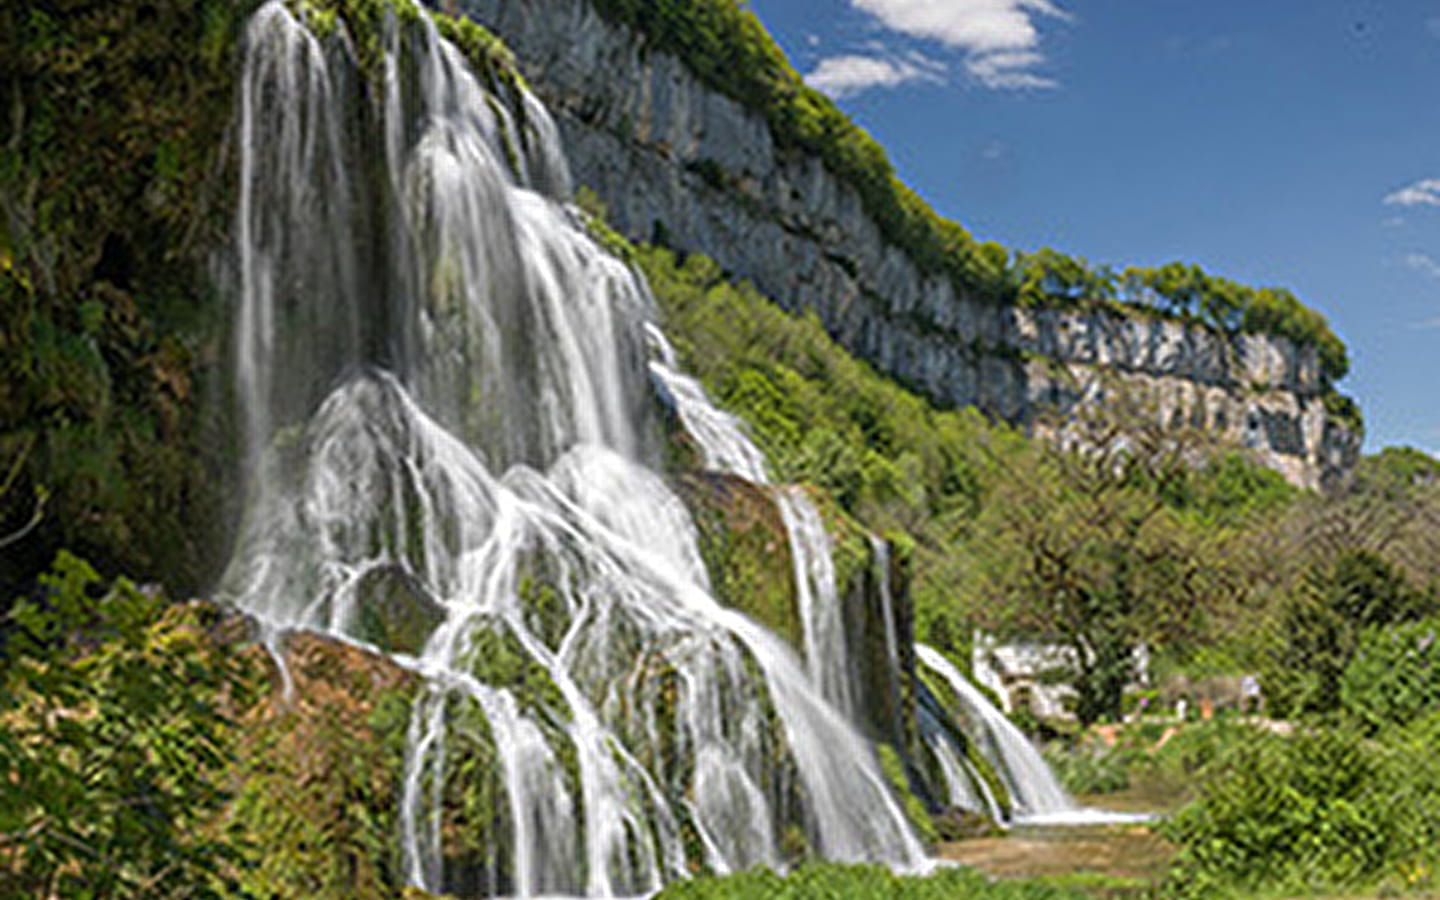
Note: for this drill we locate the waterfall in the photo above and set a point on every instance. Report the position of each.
(443, 383)
(964, 786)
(821, 614)
(880, 550)
(1032, 786)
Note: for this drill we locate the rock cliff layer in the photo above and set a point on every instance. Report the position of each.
(677, 162)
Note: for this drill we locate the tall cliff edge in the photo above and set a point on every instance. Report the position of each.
(677, 161)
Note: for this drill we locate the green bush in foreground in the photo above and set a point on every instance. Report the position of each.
(824, 881)
(1320, 810)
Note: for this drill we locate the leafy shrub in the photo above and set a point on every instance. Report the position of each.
(1321, 809)
(1090, 770)
(1196, 746)
(1394, 677)
(114, 743)
(1322, 624)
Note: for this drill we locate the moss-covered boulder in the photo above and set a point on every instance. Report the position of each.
(395, 611)
(744, 545)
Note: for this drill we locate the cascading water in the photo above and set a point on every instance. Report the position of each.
(443, 381)
(727, 449)
(964, 786)
(1032, 786)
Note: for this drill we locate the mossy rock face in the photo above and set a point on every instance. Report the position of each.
(396, 613)
(111, 336)
(744, 545)
(317, 777)
(959, 824)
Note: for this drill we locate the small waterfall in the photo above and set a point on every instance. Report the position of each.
(443, 383)
(727, 449)
(964, 786)
(821, 613)
(880, 551)
(1032, 786)
(718, 433)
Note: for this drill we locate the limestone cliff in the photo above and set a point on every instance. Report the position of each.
(675, 161)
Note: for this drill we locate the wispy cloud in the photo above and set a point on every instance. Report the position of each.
(1425, 192)
(1010, 70)
(1000, 40)
(842, 76)
(1423, 264)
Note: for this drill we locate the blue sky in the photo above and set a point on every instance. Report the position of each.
(1284, 142)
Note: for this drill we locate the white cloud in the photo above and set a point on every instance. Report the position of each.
(1000, 38)
(1008, 70)
(1425, 192)
(841, 76)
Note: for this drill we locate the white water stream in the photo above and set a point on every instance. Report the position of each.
(1032, 786)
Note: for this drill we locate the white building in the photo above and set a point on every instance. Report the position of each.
(1022, 672)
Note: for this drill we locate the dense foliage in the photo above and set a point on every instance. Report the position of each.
(1318, 810)
(111, 196)
(1323, 623)
(728, 48)
(147, 751)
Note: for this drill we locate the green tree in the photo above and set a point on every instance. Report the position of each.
(1078, 544)
(1320, 627)
(1394, 676)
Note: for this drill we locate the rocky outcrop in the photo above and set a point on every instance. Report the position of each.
(674, 161)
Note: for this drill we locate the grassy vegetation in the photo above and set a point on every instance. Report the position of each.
(814, 881)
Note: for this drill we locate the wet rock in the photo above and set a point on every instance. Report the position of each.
(396, 612)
